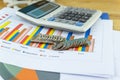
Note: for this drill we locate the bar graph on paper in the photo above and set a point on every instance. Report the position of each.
(20, 32)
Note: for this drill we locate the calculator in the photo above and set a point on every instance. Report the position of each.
(57, 16)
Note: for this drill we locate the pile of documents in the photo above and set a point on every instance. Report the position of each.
(22, 60)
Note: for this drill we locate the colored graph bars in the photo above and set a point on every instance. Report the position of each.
(19, 32)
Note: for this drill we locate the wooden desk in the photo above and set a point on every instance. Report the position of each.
(110, 6)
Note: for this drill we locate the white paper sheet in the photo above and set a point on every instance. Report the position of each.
(116, 46)
(93, 63)
(117, 54)
(79, 77)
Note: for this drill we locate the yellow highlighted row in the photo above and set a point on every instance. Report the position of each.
(5, 24)
(51, 32)
(12, 35)
(31, 35)
(80, 48)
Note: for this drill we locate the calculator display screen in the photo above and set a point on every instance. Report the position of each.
(46, 8)
(39, 9)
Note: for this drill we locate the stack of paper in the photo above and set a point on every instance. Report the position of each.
(34, 61)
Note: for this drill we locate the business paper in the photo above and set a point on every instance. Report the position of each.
(81, 77)
(117, 54)
(116, 46)
(21, 53)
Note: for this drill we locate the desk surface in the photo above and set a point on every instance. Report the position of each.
(110, 6)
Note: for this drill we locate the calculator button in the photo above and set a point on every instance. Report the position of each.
(65, 14)
(82, 20)
(61, 16)
(82, 14)
(78, 16)
(75, 19)
(76, 13)
(78, 23)
(88, 15)
(72, 15)
(51, 19)
(68, 18)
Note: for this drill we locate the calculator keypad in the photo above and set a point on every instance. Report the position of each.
(73, 16)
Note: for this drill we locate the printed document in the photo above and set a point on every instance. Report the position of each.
(16, 48)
